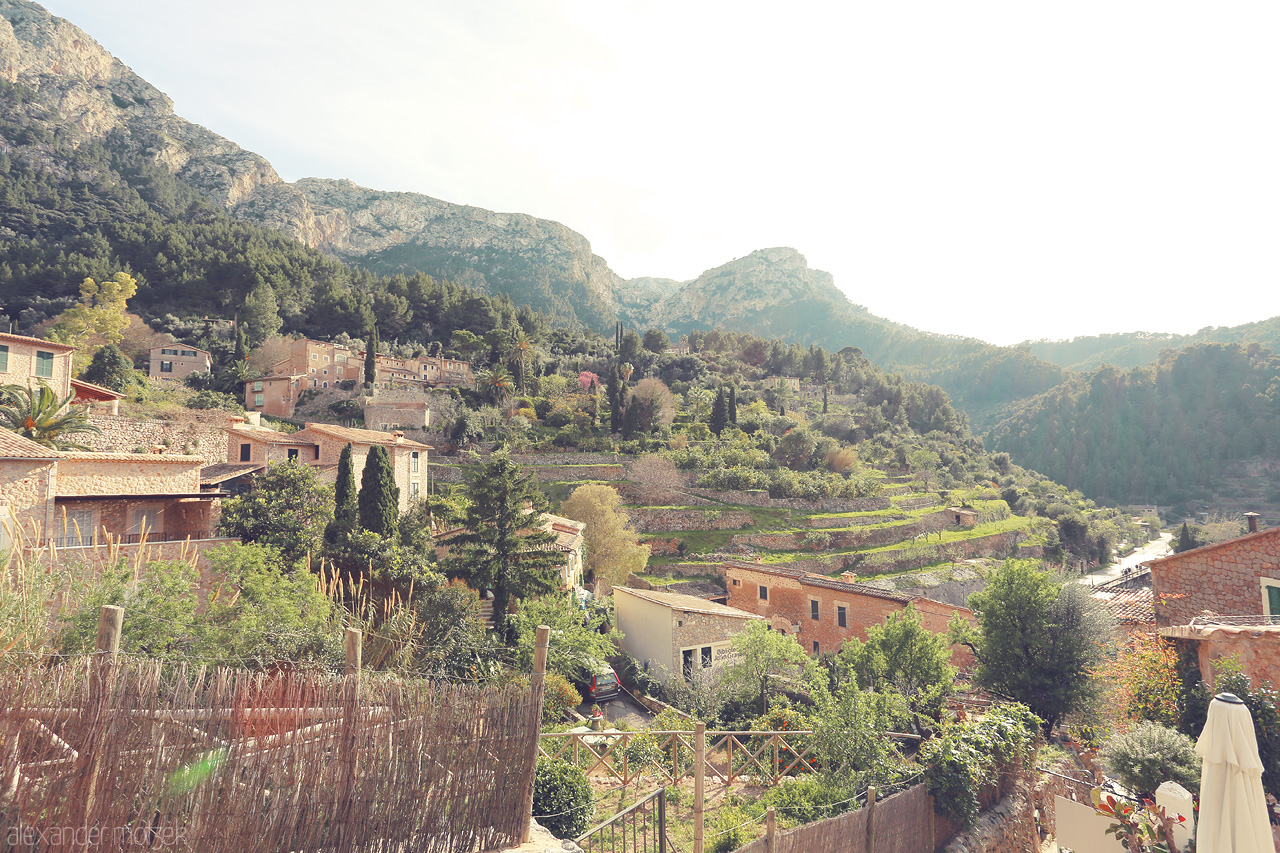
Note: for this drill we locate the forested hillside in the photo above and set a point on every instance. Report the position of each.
(1160, 433)
(1130, 349)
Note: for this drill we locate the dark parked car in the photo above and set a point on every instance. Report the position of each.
(602, 683)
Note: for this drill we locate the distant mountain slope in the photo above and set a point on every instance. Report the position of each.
(1131, 349)
(1162, 433)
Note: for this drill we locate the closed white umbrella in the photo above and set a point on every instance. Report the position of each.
(1233, 807)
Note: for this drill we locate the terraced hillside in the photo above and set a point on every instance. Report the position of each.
(906, 537)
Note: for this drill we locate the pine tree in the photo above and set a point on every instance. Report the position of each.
(110, 368)
(344, 509)
(378, 504)
(733, 404)
(719, 412)
(371, 356)
(502, 548)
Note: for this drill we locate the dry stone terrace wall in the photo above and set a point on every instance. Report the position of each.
(545, 474)
(646, 520)
(203, 436)
(762, 499)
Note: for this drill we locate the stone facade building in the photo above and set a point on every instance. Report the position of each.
(822, 613)
(320, 445)
(178, 361)
(322, 364)
(91, 503)
(28, 361)
(1238, 578)
(674, 634)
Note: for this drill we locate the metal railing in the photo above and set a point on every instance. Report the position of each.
(1259, 620)
(75, 540)
(639, 828)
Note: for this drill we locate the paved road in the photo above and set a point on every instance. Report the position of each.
(621, 707)
(1153, 549)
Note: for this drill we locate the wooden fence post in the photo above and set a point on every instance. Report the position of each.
(537, 683)
(770, 828)
(352, 644)
(699, 782)
(871, 819)
(110, 622)
(95, 721)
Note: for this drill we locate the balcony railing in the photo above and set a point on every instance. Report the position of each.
(75, 540)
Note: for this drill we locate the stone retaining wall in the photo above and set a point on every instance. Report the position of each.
(566, 458)
(546, 474)
(1008, 826)
(918, 503)
(646, 520)
(201, 436)
(762, 499)
(820, 523)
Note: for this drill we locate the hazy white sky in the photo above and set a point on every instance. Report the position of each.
(1007, 170)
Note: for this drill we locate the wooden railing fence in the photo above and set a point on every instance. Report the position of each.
(669, 756)
(114, 752)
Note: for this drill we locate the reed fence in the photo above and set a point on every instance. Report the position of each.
(902, 823)
(115, 753)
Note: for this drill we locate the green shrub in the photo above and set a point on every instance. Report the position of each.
(971, 755)
(730, 829)
(561, 798)
(1149, 754)
(214, 400)
(558, 697)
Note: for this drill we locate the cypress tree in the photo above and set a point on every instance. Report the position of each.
(719, 412)
(613, 389)
(733, 404)
(371, 356)
(344, 500)
(824, 399)
(1184, 539)
(379, 499)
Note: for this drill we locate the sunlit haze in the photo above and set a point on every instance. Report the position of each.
(1001, 170)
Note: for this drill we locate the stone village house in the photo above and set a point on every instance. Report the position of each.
(1222, 599)
(31, 361)
(321, 364)
(822, 613)
(673, 634)
(103, 505)
(251, 447)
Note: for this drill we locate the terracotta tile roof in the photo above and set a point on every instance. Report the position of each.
(168, 458)
(363, 436)
(222, 471)
(1129, 606)
(825, 582)
(23, 339)
(270, 436)
(93, 392)
(698, 589)
(690, 603)
(14, 446)
(568, 532)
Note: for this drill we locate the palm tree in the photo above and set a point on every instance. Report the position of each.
(40, 416)
(496, 382)
(696, 399)
(521, 350)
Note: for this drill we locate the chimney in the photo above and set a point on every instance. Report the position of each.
(1253, 521)
(398, 436)
(235, 421)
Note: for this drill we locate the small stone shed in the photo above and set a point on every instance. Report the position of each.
(675, 634)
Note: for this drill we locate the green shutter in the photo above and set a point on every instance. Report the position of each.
(1273, 601)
